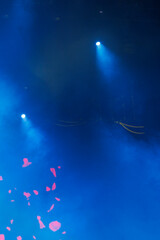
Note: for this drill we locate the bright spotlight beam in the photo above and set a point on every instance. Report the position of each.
(98, 43)
(23, 116)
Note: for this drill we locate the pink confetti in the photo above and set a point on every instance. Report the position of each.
(48, 189)
(51, 208)
(55, 226)
(40, 222)
(35, 192)
(29, 204)
(53, 186)
(58, 199)
(27, 195)
(2, 237)
(53, 171)
(19, 238)
(26, 162)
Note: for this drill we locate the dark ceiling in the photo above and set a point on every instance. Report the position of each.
(52, 44)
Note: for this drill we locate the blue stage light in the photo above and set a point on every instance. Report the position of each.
(23, 116)
(98, 43)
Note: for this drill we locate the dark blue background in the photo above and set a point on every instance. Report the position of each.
(109, 182)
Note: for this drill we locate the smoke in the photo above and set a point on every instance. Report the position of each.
(9, 99)
(113, 192)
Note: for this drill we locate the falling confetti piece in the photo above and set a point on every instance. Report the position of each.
(19, 238)
(12, 200)
(11, 221)
(48, 189)
(51, 208)
(64, 232)
(26, 162)
(29, 204)
(40, 222)
(2, 237)
(55, 226)
(53, 171)
(1, 178)
(9, 191)
(35, 192)
(59, 167)
(8, 228)
(53, 186)
(34, 237)
(58, 199)
(27, 195)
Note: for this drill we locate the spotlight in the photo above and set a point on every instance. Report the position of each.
(23, 116)
(98, 43)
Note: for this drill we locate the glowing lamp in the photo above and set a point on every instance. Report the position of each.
(98, 43)
(23, 116)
